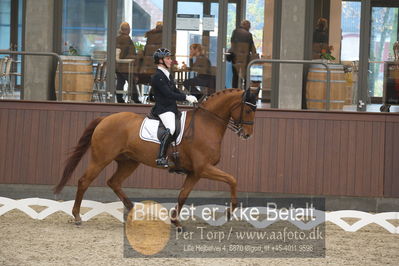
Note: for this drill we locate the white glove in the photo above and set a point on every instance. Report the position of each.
(191, 99)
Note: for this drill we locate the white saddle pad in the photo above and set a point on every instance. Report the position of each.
(149, 129)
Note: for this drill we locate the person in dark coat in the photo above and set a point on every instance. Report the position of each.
(243, 49)
(153, 42)
(201, 65)
(320, 37)
(320, 34)
(154, 39)
(166, 94)
(127, 51)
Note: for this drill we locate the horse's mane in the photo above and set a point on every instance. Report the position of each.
(216, 95)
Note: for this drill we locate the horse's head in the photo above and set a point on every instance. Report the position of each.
(243, 113)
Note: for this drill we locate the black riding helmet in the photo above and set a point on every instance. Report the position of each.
(159, 54)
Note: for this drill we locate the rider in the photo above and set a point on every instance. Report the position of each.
(166, 94)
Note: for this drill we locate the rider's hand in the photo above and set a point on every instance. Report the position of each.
(191, 99)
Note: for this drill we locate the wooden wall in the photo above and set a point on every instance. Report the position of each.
(391, 155)
(305, 152)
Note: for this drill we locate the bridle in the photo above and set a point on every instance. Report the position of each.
(235, 125)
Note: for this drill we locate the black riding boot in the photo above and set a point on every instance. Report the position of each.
(162, 161)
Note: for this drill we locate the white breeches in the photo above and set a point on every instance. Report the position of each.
(168, 119)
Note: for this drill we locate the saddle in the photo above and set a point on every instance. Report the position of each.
(161, 127)
(152, 129)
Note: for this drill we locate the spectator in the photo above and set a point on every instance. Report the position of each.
(201, 65)
(243, 50)
(127, 51)
(320, 37)
(146, 65)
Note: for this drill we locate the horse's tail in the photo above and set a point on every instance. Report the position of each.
(77, 154)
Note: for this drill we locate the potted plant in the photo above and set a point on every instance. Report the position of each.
(326, 54)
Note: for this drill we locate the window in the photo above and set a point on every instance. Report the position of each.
(84, 26)
(5, 19)
(255, 13)
(350, 21)
(142, 16)
(384, 32)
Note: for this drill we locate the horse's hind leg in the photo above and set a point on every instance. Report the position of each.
(90, 174)
(125, 168)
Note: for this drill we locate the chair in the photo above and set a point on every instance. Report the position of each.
(2, 74)
(100, 93)
(7, 86)
(146, 69)
(99, 56)
(127, 95)
(99, 89)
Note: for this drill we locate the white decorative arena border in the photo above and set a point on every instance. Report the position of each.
(116, 210)
(55, 206)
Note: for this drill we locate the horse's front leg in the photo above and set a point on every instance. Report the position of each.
(188, 185)
(211, 172)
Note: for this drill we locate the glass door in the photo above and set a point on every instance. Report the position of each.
(146, 20)
(11, 25)
(199, 41)
(5, 25)
(84, 27)
(232, 22)
(11, 39)
(384, 33)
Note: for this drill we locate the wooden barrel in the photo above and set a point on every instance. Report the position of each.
(77, 79)
(317, 83)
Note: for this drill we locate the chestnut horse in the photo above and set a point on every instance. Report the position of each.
(116, 137)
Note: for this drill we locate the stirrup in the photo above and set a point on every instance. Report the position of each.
(162, 162)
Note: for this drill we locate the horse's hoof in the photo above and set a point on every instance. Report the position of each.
(78, 222)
